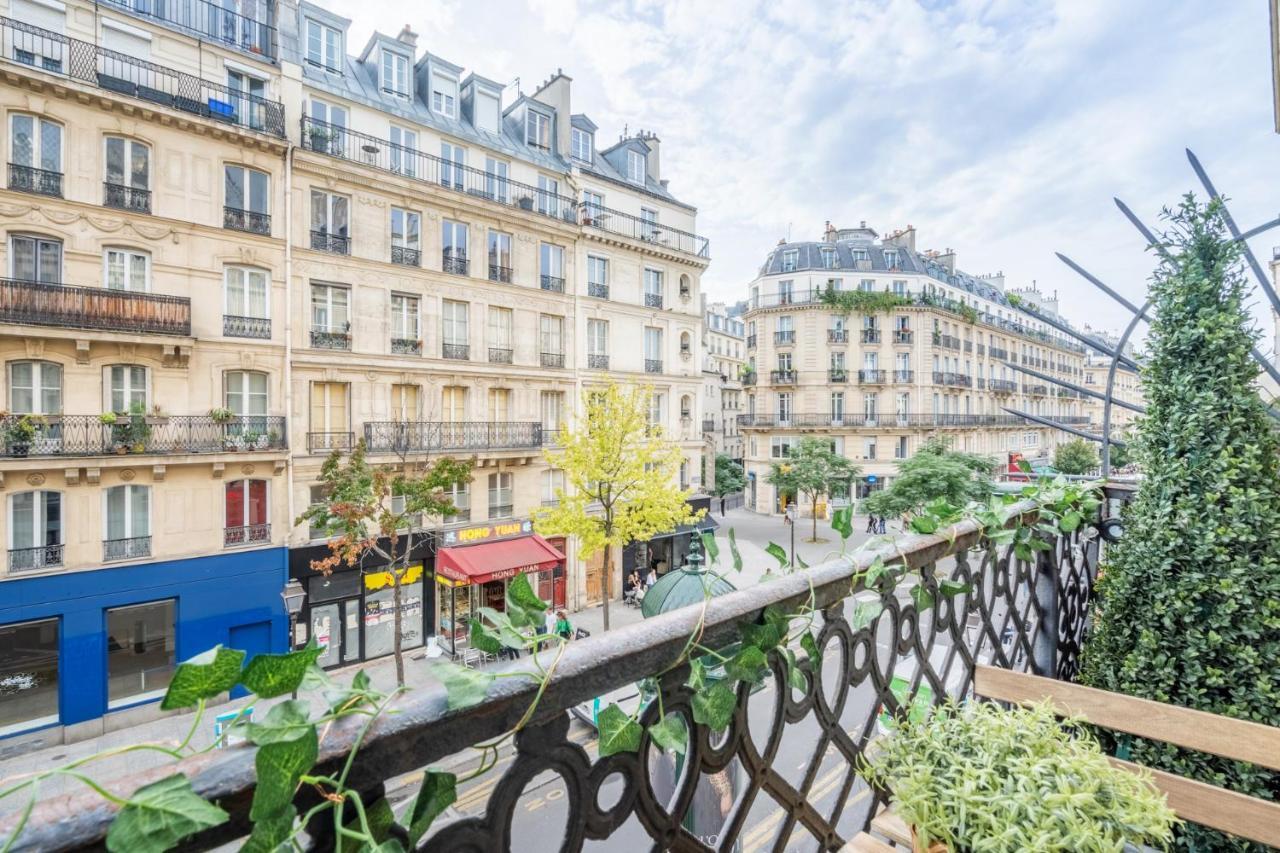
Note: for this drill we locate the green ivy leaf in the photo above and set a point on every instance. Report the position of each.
(271, 832)
(203, 677)
(439, 791)
(1023, 552)
(160, 815)
(795, 677)
(380, 818)
(710, 546)
(361, 682)
(287, 721)
(922, 597)
(874, 572)
(714, 706)
(484, 638)
(842, 521)
(778, 553)
(523, 603)
(762, 637)
(618, 732)
(800, 562)
(279, 765)
(465, 687)
(810, 646)
(733, 550)
(507, 633)
(697, 675)
(864, 612)
(274, 675)
(669, 733)
(749, 665)
(951, 589)
(924, 524)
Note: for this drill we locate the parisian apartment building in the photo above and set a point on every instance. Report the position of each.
(1124, 382)
(724, 356)
(235, 241)
(880, 383)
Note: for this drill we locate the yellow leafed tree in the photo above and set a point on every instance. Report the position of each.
(620, 478)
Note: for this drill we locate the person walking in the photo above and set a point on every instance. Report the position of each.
(563, 628)
(871, 524)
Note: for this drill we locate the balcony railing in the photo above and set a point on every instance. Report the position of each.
(902, 336)
(782, 377)
(234, 326)
(870, 336)
(552, 359)
(784, 337)
(376, 153)
(968, 346)
(35, 559)
(327, 241)
(837, 336)
(28, 179)
(406, 346)
(457, 352)
(235, 219)
(955, 380)
(406, 256)
(500, 273)
(837, 374)
(653, 300)
(126, 198)
(552, 283)
(644, 230)
(882, 421)
(249, 534)
(1035, 390)
(596, 361)
(999, 352)
(55, 53)
(87, 435)
(334, 339)
(133, 548)
(1003, 386)
(708, 425)
(452, 261)
(324, 442)
(499, 355)
(39, 304)
(751, 341)
(436, 436)
(872, 377)
(212, 22)
(653, 365)
(597, 290)
(901, 377)
(749, 378)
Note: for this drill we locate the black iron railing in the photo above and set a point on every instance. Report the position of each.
(708, 425)
(838, 336)
(597, 290)
(551, 359)
(870, 336)
(35, 559)
(644, 230)
(837, 374)
(326, 241)
(137, 78)
(653, 300)
(751, 341)
(29, 179)
(96, 435)
(235, 326)
(597, 361)
(458, 352)
(999, 352)
(902, 336)
(406, 346)
(336, 339)
(872, 377)
(497, 272)
(39, 304)
(248, 534)
(949, 378)
(653, 365)
(1003, 386)
(126, 198)
(500, 355)
(132, 548)
(246, 220)
(782, 377)
(324, 442)
(1035, 390)
(406, 256)
(553, 283)
(749, 378)
(904, 376)
(432, 436)
(879, 421)
(784, 337)
(212, 22)
(455, 262)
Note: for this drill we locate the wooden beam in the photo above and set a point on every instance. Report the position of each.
(1201, 731)
(892, 827)
(863, 843)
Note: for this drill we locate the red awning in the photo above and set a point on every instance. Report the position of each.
(491, 561)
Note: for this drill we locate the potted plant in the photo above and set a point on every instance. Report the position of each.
(157, 416)
(975, 776)
(108, 418)
(526, 202)
(272, 438)
(19, 434)
(221, 415)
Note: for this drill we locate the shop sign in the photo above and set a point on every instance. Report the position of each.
(486, 532)
(378, 580)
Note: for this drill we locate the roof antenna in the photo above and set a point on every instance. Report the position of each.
(788, 232)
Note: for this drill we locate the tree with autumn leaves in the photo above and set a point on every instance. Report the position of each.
(376, 511)
(620, 475)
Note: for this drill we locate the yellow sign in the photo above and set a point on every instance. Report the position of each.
(378, 580)
(486, 532)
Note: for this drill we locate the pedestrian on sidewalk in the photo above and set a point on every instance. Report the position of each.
(871, 524)
(563, 628)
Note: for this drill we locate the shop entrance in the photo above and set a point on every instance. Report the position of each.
(335, 626)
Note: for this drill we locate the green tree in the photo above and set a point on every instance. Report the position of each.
(729, 478)
(372, 510)
(811, 469)
(621, 473)
(934, 472)
(1077, 456)
(1188, 606)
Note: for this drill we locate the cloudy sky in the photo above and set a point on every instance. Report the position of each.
(999, 128)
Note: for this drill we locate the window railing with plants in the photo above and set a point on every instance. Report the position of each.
(139, 432)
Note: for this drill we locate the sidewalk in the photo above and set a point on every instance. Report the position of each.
(752, 531)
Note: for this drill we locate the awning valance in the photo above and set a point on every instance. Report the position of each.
(492, 561)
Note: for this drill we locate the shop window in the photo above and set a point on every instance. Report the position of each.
(28, 675)
(379, 615)
(141, 652)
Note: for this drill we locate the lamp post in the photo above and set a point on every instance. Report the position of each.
(790, 513)
(293, 595)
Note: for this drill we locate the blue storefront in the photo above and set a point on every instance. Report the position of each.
(78, 647)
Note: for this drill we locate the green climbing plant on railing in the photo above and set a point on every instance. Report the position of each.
(849, 302)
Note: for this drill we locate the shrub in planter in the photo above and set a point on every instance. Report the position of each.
(975, 777)
(1188, 604)
(19, 434)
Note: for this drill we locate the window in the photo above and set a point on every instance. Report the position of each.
(247, 513)
(686, 343)
(551, 335)
(404, 403)
(249, 92)
(652, 288)
(35, 530)
(330, 308)
(141, 652)
(454, 242)
(485, 114)
(127, 388)
(35, 146)
(649, 217)
(324, 46)
(837, 360)
(499, 256)
(786, 291)
(245, 295)
(870, 406)
(460, 494)
(552, 486)
(552, 265)
(580, 145)
(828, 258)
(453, 403)
(128, 168)
(837, 406)
(404, 319)
(597, 277)
(598, 339)
(245, 394)
(454, 319)
(453, 161)
(686, 407)
(127, 531)
(29, 671)
(329, 414)
(537, 129)
(636, 166)
(406, 235)
(899, 287)
(653, 346)
(127, 269)
(247, 192)
(867, 285)
(548, 196)
(869, 448)
(785, 362)
(35, 259)
(891, 258)
(500, 505)
(499, 404)
(329, 214)
(395, 73)
(404, 151)
(35, 388)
(497, 185)
(444, 95)
(500, 325)
(593, 205)
(656, 401)
(780, 447)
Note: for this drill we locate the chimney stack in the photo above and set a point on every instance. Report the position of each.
(408, 36)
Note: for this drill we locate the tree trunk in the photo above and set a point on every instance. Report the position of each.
(814, 504)
(606, 571)
(396, 577)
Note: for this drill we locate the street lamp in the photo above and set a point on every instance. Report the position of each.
(293, 595)
(790, 513)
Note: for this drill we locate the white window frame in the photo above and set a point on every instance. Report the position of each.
(40, 518)
(131, 489)
(329, 304)
(37, 141)
(243, 483)
(247, 273)
(406, 215)
(128, 255)
(404, 150)
(241, 402)
(395, 65)
(536, 126)
(126, 173)
(597, 337)
(330, 52)
(39, 384)
(127, 388)
(637, 166)
(581, 145)
(408, 317)
(449, 320)
(246, 188)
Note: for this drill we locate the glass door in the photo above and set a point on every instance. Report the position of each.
(324, 630)
(351, 630)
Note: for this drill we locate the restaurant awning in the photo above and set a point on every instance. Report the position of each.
(490, 561)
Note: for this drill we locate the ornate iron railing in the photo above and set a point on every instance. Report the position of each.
(597, 361)
(837, 374)
(500, 355)
(784, 337)
(435, 436)
(878, 421)
(248, 534)
(838, 336)
(136, 78)
(499, 273)
(211, 21)
(870, 336)
(644, 230)
(653, 365)
(126, 198)
(457, 352)
(1003, 386)
(904, 377)
(454, 262)
(251, 221)
(326, 241)
(597, 290)
(902, 336)
(406, 346)
(35, 559)
(235, 326)
(87, 435)
(551, 359)
(553, 283)
(785, 774)
(323, 442)
(132, 548)
(406, 256)
(40, 304)
(872, 377)
(782, 377)
(653, 300)
(29, 179)
(336, 339)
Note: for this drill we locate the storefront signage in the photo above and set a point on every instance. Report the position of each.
(378, 580)
(486, 532)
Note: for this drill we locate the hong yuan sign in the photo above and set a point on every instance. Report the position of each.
(485, 532)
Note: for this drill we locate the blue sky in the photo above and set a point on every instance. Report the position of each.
(1001, 129)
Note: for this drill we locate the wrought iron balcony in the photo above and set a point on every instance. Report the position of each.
(597, 290)
(1035, 390)
(234, 326)
(88, 435)
(837, 374)
(782, 377)
(653, 300)
(904, 377)
(870, 336)
(837, 336)
(212, 22)
(968, 346)
(903, 336)
(751, 341)
(325, 241)
(406, 346)
(644, 230)
(35, 559)
(126, 198)
(133, 548)
(436, 436)
(553, 283)
(596, 361)
(38, 304)
(325, 442)
(1003, 386)
(406, 256)
(499, 273)
(28, 179)
(784, 338)
(235, 219)
(653, 365)
(249, 534)
(500, 355)
(455, 262)
(748, 378)
(552, 359)
(126, 75)
(999, 352)
(457, 352)
(708, 425)
(900, 420)
(871, 377)
(334, 339)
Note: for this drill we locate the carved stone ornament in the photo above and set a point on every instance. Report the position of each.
(127, 474)
(35, 479)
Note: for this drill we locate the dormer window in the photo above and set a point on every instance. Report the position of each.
(581, 145)
(891, 258)
(829, 258)
(789, 259)
(324, 46)
(635, 167)
(395, 73)
(537, 130)
(444, 95)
